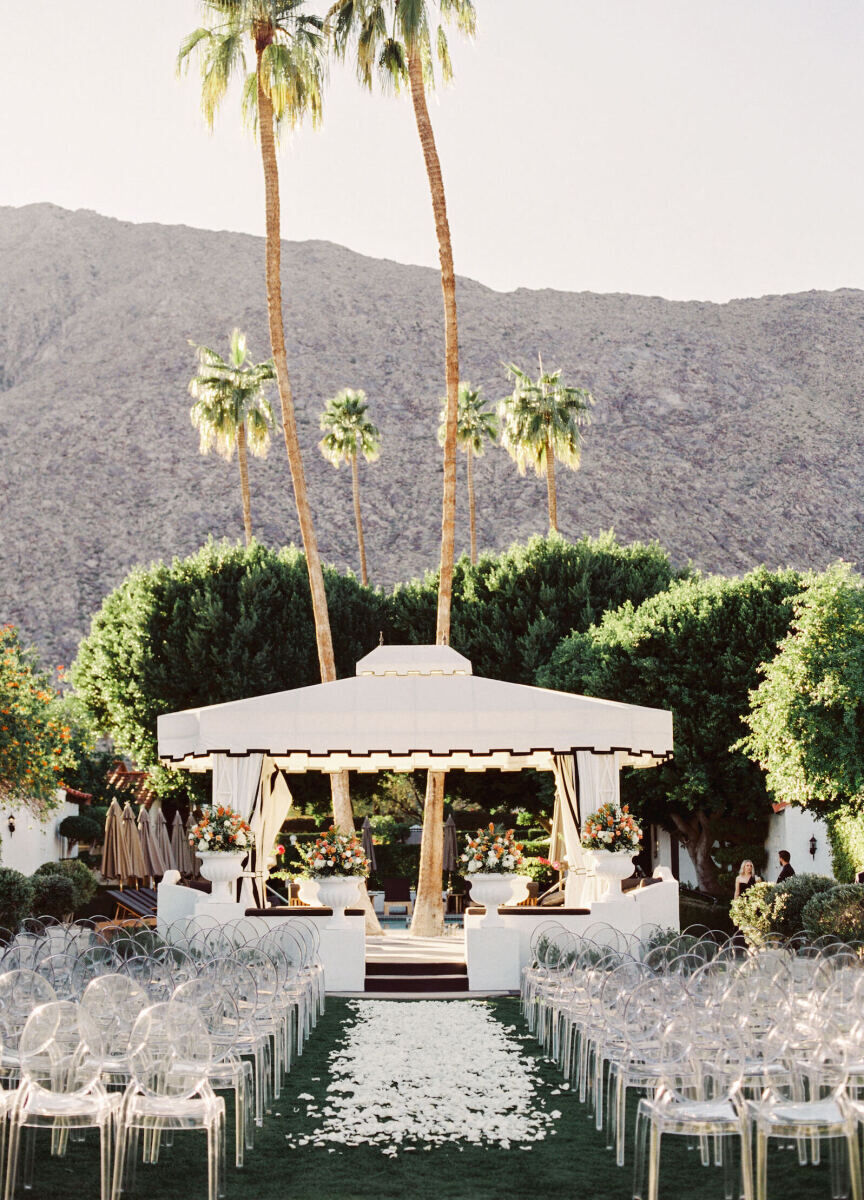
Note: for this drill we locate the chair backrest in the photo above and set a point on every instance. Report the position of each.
(397, 890)
(169, 1051)
(61, 1049)
(218, 1009)
(21, 991)
(114, 1002)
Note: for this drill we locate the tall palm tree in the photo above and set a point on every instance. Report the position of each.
(475, 426)
(285, 86)
(543, 420)
(231, 409)
(347, 433)
(397, 41)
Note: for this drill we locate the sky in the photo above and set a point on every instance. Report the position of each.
(703, 150)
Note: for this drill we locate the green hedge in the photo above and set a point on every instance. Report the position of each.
(846, 837)
(80, 876)
(53, 896)
(839, 912)
(777, 908)
(16, 898)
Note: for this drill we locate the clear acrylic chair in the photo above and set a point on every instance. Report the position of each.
(114, 1003)
(21, 991)
(170, 1056)
(60, 1052)
(228, 1071)
(696, 1100)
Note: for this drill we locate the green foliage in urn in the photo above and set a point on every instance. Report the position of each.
(807, 719)
(695, 649)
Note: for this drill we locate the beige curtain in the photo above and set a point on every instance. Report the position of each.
(273, 799)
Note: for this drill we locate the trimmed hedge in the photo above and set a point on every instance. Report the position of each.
(16, 898)
(80, 828)
(777, 908)
(839, 911)
(80, 876)
(53, 896)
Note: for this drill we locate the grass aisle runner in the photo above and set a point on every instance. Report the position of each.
(545, 1146)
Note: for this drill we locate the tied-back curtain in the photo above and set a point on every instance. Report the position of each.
(565, 821)
(598, 784)
(236, 784)
(273, 800)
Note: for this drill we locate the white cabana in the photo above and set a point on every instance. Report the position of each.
(413, 708)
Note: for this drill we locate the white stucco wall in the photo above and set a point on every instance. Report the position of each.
(34, 842)
(791, 830)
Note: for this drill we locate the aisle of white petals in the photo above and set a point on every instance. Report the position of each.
(413, 1075)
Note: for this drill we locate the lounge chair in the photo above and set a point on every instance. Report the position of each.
(397, 895)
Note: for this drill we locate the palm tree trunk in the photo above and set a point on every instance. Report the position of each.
(244, 481)
(343, 815)
(428, 919)
(358, 520)
(472, 517)
(550, 486)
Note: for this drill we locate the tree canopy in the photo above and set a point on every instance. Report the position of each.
(34, 737)
(807, 717)
(695, 649)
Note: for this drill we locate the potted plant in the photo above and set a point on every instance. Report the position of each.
(222, 840)
(612, 836)
(335, 862)
(490, 865)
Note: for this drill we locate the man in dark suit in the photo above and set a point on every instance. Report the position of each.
(786, 868)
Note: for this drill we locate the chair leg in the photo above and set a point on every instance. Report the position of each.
(105, 1159)
(654, 1163)
(12, 1158)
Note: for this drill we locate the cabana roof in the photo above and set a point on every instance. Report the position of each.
(409, 708)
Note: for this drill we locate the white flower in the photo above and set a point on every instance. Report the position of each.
(202, 845)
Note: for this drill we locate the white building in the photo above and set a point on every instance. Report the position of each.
(29, 840)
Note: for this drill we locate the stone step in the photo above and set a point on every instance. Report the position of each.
(426, 984)
(387, 966)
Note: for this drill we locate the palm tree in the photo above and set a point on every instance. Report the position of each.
(475, 425)
(347, 433)
(542, 420)
(394, 40)
(285, 86)
(231, 409)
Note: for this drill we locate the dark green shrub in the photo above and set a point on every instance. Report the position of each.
(301, 825)
(539, 870)
(79, 828)
(839, 911)
(16, 898)
(846, 835)
(53, 896)
(791, 898)
(777, 908)
(82, 878)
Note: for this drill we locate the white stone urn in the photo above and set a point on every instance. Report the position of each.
(611, 867)
(337, 892)
(307, 891)
(223, 869)
(491, 889)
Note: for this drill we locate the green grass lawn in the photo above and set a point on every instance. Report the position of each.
(571, 1165)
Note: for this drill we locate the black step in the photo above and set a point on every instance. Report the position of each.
(416, 983)
(387, 967)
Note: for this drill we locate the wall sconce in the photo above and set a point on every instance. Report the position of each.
(11, 824)
(813, 847)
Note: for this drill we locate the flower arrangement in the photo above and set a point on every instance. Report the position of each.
(221, 829)
(334, 853)
(611, 828)
(492, 851)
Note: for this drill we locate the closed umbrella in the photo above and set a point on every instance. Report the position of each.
(196, 861)
(161, 839)
(111, 845)
(133, 865)
(450, 859)
(182, 851)
(368, 844)
(149, 849)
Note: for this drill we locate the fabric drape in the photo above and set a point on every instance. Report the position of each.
(237, 785)
(271, 802)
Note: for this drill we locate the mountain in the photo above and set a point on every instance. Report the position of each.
(730, 432)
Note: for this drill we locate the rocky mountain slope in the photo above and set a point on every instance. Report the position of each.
(733, 432)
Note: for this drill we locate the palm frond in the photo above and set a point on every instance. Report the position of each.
(462, 13)
(444, 55)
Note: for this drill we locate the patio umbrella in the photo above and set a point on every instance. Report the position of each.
(161, 839)
(450, 859)
(149, 849)
(133, 865)
(368, 844)
(182, 851)
(111, 844)
(196, 861)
